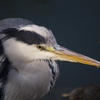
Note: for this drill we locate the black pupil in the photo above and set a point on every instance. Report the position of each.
(39, 47)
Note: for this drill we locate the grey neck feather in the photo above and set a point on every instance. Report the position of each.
(35, 84)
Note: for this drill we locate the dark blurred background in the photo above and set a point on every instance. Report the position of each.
(75, 24)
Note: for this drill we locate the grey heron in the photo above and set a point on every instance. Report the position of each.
(28, 54)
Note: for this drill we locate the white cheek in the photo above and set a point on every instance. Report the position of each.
(43, 55)
(20, 51)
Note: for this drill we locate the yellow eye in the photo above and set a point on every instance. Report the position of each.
(40, 47)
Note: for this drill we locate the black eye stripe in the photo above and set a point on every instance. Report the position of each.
(24, 36)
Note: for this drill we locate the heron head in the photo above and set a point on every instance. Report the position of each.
(32, 42)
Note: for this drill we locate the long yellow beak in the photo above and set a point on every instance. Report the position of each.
(68, 55)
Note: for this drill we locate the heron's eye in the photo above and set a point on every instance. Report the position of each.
(40, 47)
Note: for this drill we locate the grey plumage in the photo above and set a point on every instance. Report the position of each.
(23, 83)
(29, 86)
(13, 23)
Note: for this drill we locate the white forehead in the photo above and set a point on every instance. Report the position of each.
(37, 29)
